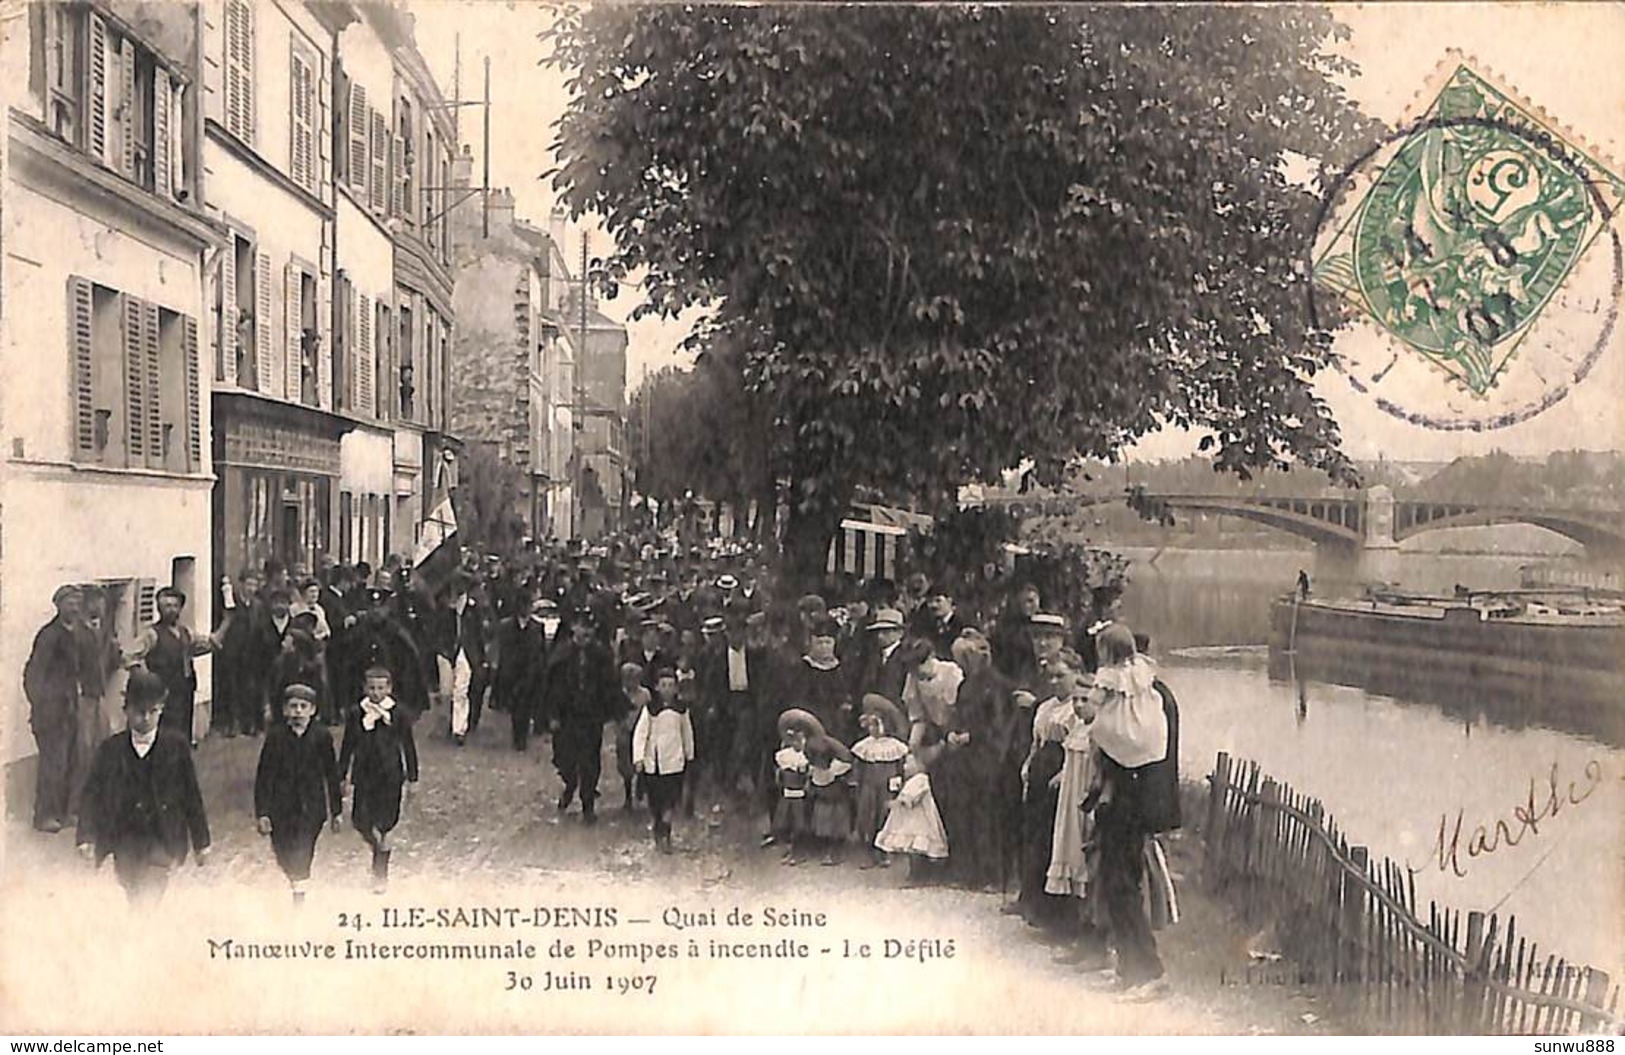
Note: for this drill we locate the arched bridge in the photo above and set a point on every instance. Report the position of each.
(1371, 519)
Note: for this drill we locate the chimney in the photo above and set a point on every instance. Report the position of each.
(502, 209)
(558, 228)
(462, 168)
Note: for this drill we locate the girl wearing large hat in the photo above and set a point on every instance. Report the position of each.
(829, 774)
(878, 763)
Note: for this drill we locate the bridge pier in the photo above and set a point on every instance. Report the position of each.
(1342, 566)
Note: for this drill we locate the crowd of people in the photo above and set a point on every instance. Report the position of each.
(1004, 749)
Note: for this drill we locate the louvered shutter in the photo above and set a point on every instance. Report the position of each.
(324, 345)
(358, 138)
(233, 68)
(397, 198)
(152, 364)
(264, 356)
(194, 396)
(289, 381)
(84, 366)
(98, 87)
(303, 147)
(225, 367)
(378, 176)
(135, 381)
(364, 365)
(161, 102)
(127, 115)
(146, 602)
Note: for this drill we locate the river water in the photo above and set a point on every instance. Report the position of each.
(1393, 769)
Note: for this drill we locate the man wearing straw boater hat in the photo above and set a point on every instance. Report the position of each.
(886, 671)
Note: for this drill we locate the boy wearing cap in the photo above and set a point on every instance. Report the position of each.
(142, 804)
(296, 787)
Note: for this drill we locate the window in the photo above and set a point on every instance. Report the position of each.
(344, 336)
(303, 162)
(113, 97)
(65, 72)
(136, 386)
(239, 338)
(239, 102)
(403, 349)
(346, 525)
(401, 204)
(383, 333)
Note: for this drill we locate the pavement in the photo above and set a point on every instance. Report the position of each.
(832, 949)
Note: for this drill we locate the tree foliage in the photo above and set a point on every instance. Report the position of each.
(699, 431)
(942, 239)
(489, 500)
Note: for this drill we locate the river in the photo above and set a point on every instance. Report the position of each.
(1392, 770)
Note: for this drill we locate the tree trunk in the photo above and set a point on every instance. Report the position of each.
(807, 537)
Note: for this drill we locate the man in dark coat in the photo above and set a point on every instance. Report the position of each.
(142, 804)
(581, 697)
(51, 680)
(886, 670)
(378, 640)
(521, 674)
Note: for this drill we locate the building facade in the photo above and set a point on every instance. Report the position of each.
(324, 142)
(515, 363)
(601, 440)
(104, 322)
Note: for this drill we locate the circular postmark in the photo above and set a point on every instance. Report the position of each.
(1477, 254)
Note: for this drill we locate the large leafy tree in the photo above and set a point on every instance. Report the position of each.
(945, 239)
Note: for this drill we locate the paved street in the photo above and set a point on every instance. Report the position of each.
(483, 830)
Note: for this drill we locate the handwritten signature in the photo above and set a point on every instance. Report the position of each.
(1527, 817)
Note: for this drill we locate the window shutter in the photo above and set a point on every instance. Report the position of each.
(225, 366)
(397, 199)
(240, 70)
(84, 366)
(127, 108)
(358, 138)
(324, 346)
(194, 396)
(300, 90)
(135, 380)
(98, 87)
(363, 357)
(378, 188)
(321, 127)
(289, 387)
(264, 358)
(153, 366)
(146, 602)
(161, 102)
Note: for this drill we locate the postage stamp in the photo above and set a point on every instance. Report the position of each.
(1478, 250)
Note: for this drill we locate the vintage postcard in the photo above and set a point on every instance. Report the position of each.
(647, 518)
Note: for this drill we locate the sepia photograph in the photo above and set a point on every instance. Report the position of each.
(811, 519)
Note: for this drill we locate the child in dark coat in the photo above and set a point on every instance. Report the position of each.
(141, 803)
(379, 758)
(296, 789)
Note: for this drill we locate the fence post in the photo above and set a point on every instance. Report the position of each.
(1473, 1004)
(1596, 994)
(1218, 798)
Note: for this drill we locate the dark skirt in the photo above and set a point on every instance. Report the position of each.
(832, 811)
(1053, 912)
(964, 781)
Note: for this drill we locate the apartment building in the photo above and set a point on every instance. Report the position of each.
(105, 462)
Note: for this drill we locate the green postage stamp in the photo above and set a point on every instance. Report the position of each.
(1480, 251)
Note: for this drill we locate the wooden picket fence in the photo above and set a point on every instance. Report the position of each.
(1349, 926)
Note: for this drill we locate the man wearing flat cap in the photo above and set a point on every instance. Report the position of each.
(167, 648)
(51, 679)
